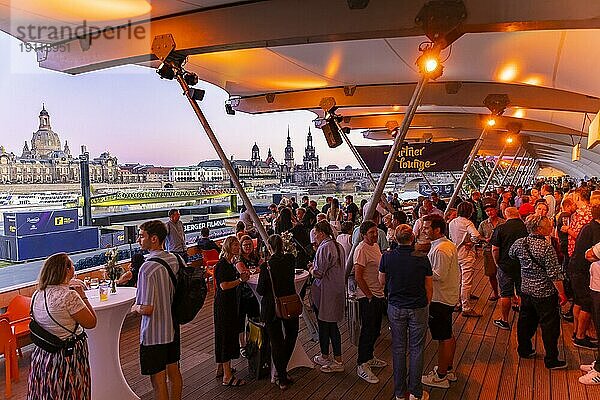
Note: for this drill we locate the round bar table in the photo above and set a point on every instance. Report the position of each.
(108, 381)
(299, 357)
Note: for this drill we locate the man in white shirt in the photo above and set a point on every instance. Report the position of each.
(443, 257)
(463, 233)
(370, 297)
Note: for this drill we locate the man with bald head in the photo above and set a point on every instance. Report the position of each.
(509, 270)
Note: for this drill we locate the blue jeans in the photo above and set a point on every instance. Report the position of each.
(408, 324)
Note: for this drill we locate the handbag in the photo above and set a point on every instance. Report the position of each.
(286, 307)
(47, 341)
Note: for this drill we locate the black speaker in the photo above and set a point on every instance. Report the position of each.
(332, 134)
(130, 234)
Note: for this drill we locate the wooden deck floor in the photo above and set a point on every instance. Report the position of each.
(486, 364)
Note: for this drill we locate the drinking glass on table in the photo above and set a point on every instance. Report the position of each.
(94, 283)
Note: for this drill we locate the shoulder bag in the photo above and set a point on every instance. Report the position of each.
(286, 307)
(48, 341)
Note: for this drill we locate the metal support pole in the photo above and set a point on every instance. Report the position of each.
(479, 175)
(467, 167)
(226, 163)
(455, 180)
(84, 175)
(489, 179)
(510, 166)
(525, 170)
(395, 150)
(532, 172)
(516, 173)
(363, 165)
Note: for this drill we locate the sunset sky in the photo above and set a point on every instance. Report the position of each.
(139, 117)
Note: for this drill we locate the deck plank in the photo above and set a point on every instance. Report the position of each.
(486, 363)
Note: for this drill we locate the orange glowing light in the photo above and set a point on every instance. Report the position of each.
(431, 64)
(333, 65)
(508, 73)
(533, 80)
(89, 10)
(509, 140)
(519, 113)
(396, 108)
(491, 122)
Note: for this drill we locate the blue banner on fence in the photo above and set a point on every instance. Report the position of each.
(38, 222)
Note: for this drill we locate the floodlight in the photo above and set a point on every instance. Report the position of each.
(509, 140)
(165, 71)
(229, 110)
(429, 62)
(491, 121)
(190, 78)
(332, 134)
(197, 94)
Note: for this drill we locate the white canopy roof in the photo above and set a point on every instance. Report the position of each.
(541, 53)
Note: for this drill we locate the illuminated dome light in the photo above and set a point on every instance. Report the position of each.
(491, 122)
(89, 10)
(519, 113)
(508, 73)
(533, 80)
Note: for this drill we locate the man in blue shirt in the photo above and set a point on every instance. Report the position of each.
(407, 275)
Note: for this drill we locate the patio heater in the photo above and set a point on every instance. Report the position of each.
(172, 67)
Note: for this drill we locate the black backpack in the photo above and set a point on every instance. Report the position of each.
(190, 290)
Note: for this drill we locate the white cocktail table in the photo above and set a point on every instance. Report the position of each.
(108, 381)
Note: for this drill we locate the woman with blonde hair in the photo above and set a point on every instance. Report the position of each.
(335, 215)
(61, 307)
(226, 320)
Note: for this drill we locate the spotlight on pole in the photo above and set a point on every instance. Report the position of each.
(509, 140)
(497, 104)
(229, 109)
(190, 78)
(197, 94)
(331, 128)
(165, 72)
(429, 62)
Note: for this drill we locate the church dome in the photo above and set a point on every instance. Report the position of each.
(44, 140)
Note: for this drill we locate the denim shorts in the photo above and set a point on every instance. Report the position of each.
(508, 283)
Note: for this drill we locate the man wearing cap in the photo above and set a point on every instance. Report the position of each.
(486, 228)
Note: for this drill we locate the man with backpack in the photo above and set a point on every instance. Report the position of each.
(160, 347)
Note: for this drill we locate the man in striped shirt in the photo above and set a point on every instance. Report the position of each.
(159, 336)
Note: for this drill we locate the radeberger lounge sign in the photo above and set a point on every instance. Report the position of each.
(420, 157)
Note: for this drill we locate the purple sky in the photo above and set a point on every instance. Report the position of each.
(139, 117)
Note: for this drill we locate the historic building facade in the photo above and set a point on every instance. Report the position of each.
(45, 161)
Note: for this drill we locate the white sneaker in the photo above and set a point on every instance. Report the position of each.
(591, 378)
(377, 363)
(333, 367)
(364, 371)
(320, 360)
(425, 396)
(450, 375)
(432, 379)
(587, 367)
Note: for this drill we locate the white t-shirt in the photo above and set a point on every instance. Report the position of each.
(62, 304)
(345, 240)
(595, 276)
(369, 256)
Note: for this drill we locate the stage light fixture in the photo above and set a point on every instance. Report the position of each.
(197, 94)
(332, 134)
(429, 62)
(491, 121)
(190, 78)
(509, 140)
(328, 105)
(165, 72)
(229, 110)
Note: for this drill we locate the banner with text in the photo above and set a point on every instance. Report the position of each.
(420, 157)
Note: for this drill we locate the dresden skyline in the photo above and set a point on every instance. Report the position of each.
(100, 109)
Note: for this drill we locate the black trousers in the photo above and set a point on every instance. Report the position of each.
(282, 334)
(371, 313)
(536, 311)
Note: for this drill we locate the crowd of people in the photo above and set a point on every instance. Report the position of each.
(541, 255)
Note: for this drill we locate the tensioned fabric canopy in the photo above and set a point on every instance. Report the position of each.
(274, 55)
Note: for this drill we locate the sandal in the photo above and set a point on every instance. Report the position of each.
(221, 373)
(234, 382)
